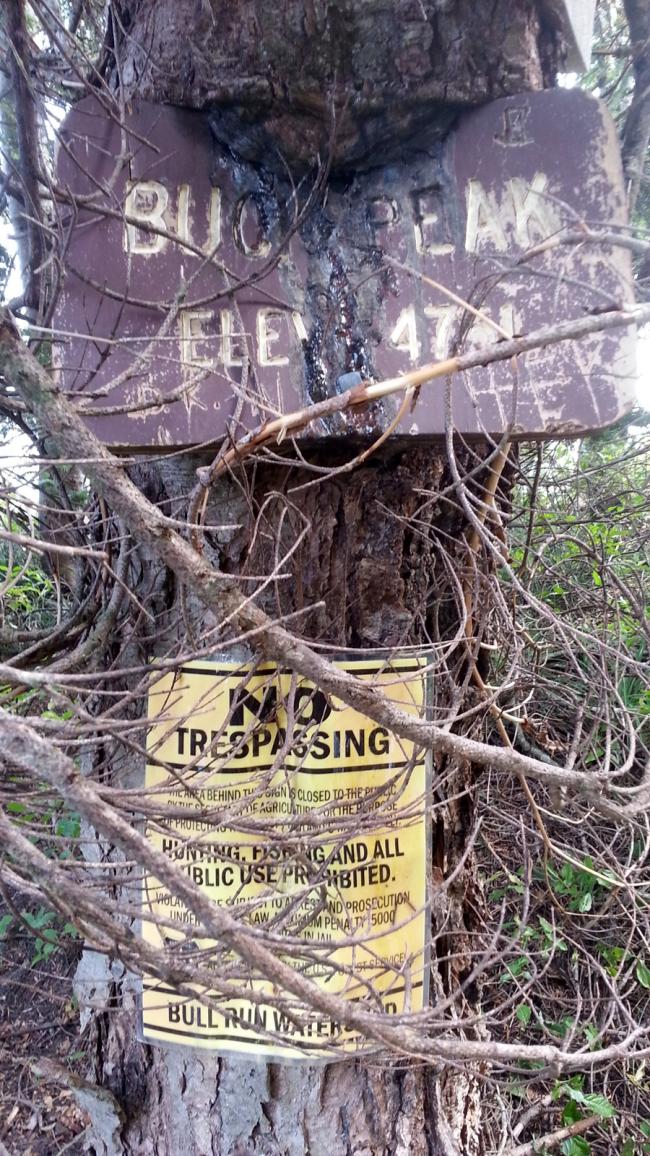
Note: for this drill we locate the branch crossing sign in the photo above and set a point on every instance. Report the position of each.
(309, 822)
(205, 296)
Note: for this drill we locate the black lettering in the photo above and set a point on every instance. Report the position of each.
(515, 126)
(358, 741)
(198, 740)
(281, 1023)
(320, 748)
(279, 740)
(319, 708)
(379, 741)
(260, 739)
(242, 751)
(259, 707)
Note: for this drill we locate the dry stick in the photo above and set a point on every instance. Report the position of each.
(38, 757)
(489, 505)
(219, 592)
(554, 1138)
(50, 547)
(531, 1113)
(365, 392)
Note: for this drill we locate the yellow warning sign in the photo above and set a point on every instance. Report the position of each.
(309, 821)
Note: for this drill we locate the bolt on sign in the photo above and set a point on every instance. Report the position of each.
(306, 820)
(204, 295)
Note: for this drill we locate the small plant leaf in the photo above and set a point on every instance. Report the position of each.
(576, 1146)
(599, 1105)
(643, 974)
(571, 1113)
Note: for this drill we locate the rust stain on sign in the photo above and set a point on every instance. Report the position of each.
(204, 295)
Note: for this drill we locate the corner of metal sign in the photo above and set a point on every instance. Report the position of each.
(576, 21)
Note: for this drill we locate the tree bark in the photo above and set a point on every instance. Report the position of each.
(636, 136)
(378, 582)
(347, 78)
(285, 76)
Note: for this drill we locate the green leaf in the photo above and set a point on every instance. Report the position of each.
(576, 1146)
(571, 1113)
(43, 949)
(517, 968)
(524, 1013)
(560, 1028)
(613, 957)
(599, 1105)
(592, 1034)
(36, 921)
(643, 974)
(575, 1094)
(5, 924)
(628, 1148)
(69, 827)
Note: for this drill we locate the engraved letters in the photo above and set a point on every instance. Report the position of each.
(154, 217)
(224, 293)
(514, 132)
(520, 214)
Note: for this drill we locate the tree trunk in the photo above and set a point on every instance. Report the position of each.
(381, 576)
(379, 582)
(377, 71)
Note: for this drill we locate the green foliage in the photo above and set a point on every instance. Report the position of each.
(55, 818)
(581, 548)
(48, 929)
(580, 888)
(28, 592)
(577, 1105)
(575, 1146)
(642, 973)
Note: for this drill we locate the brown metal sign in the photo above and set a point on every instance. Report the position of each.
(204, 295)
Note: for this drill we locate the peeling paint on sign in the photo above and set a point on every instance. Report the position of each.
(204, 295)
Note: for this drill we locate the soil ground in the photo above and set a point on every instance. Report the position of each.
(38, 1020)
